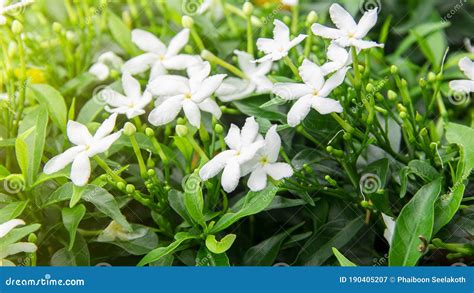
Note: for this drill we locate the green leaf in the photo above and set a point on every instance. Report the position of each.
(193, 199)
(176, 200)
(265, 253)
(63, 193)
(136, 246)
(447, 206)
(71, 219)
(120, 32)
(251, 107)
(420, 168)
(106, 203)
(90, 110)
(462, 135)
(206, 258)
(77, 192)
(78, 256)
(12, 210)
(35, 141)
(53, 101)
(21, 151)
(254, 203)
(160, 252)
(422, 31)
(221, 246)
(415, 220)
(343, 261)
(17, 234)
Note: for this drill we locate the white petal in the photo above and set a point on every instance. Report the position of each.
(299, 110)
(78, 133)
(266, 45)
(291, 91)
(15, 248)
(197, 75)
(233, 88)
(215, 165)
(257, 180)
(279, 171)
(140, 63)
(249, 131)
(106, 127)
(113, 98)
(230, 176)
(311, 74)
(281, 32)
(326, 32)
(467, 66)
(208, 87)
(60, 161)
(390, 224)
(366, 23)
(337, 53)
(248, 152)
(272, 144)
(192, 112)
(244, 59)
(167, 111)
(131, 86)
(263, 84)
(333, 82)
(462, 86)
(180, 62)
(178, 43)
(267, 58)
(103, 144)
(264, 68)
(147, 42)
(144, 100)
(330, 67)
(326, 105)
(361, 44)
(342, 19)
(296, 41)
(81, 169)
(100, 70)
(168, 85)
(232, 138)
(210, 106)
(157, 69)
(9, 225)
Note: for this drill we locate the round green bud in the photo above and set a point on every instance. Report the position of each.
(370, 88)
(347, 136)
(218, 129)
(423, 132)
(361, 68)
(364, 204)
(181, 130)
(150, 163)
(403, 115)
(439, 77)
(57, 27)
(247, 8)
(181, 121)
(311, 18)
(418, 117)
(151, 172)
(404, 82)
(431, 77)
(393, 69)
(130, 188)
(121, 185)
(187, 22)
(189, 49)
(149, 132)
(129, 129)
(32, 238)
(329, 149)
(422, 82)
(17, 27)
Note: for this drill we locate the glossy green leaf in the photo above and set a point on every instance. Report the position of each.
(12, 210)
(343, 261)
(17, 234)
(160, 252)
(71, 219)
(53, 101)
(462, 135)
(415, 220)
(446, 207)
(193, 198)
(220, 246)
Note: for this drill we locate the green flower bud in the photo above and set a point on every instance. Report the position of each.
(422, 82)
(364, 204)
(32, 238)
(361, 68)
(17, 27)
(121, 186)
(150, 163)
(130, 188)
(329, 149)
(57, 27)
(392, 96)
(439, 77)
(70, 36)
(181, 121)
(311, 18)
(247, 8)
(149, 132)
(287, 19)
(330, 180)
(151, 172)
(370, 88)
(347, 136)
(431, 77)
(423, 132)
(218, 129)
(393, 69)
(404, 82)
(189, 49)
(206, 55)
(129, 129)
(187, 22)
(418, 117)
(403, 115)
(379, 97)
(181, 130)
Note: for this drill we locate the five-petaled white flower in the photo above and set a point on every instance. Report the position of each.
(159, 57)
(278, 47)
(234, 88)
(192, 94)
(265, 163)
(105, 62)
(465, 85)
(133, 103)
(312, 93)
(390, 230)
(338, 59)
(86, 146)
(243, 145)
(348, 33)
(7, 249)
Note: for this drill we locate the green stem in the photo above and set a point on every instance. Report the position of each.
(138, 153)
(197, 39)
(207, 55)
(355, 61)
(250, 47)
(292, 66)
(197, 148)
(107, 169)
(295, 17)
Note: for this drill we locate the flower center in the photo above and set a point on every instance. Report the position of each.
(188, 95)
(263, 160)
(350, 35)
(162, 57)
(315, 92)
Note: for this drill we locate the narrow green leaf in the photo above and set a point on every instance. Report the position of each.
(160, 252)
(120, 32)
(415, 220)
(343, 261)
(12, 210)
(71, 219)
(53, 101)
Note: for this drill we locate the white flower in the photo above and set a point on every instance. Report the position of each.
(243, 145)
(236, 88)
(12, 7)
(290, 2)
(312, 94)
(106, 61)
(86, 147)
(190, 94)
(159, 57)
(390, 224)
(348, 33)
(115, 231)
(466, 85)
(13, 248)
(265, 162)
(278, 47)
(339, 58)
(133, 103)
